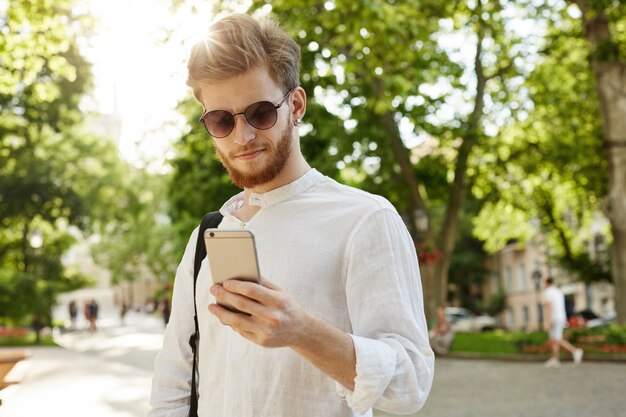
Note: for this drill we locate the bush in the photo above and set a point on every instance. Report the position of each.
(612, 335)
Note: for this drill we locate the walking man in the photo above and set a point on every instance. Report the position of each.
(337, 325)
(554, 307)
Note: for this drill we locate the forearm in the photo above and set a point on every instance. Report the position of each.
(329, 349)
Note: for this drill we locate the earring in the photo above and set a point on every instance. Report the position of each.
(297, 122)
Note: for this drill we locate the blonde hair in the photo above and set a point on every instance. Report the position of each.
(238, 43)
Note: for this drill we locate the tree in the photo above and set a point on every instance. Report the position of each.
(603, 22)
(558, 164)
(139, 241)
(53, 173)
(383, 66)
(546, 177)
(380, 82)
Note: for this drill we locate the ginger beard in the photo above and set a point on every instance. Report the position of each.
(259, 174)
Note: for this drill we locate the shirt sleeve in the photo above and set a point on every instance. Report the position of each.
(394, 361)
(171, 383)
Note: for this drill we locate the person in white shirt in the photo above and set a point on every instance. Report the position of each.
(337, 325)
(554, 310)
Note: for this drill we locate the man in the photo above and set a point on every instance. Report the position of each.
(554, 307)
(337, 325)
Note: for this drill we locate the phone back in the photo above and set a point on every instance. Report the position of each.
(231, 254)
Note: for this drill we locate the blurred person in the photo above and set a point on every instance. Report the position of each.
(441, 334)
(556, 318)
(92, 307)
(73, 311)
(123, 312)
(87, 313)
(337, 325)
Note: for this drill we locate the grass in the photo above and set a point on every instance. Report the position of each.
(498, 342)
(607, 342)
(23, 341)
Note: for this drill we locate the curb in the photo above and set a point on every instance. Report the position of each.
(525, 358)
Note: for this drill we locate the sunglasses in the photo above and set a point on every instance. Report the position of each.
(260, 115)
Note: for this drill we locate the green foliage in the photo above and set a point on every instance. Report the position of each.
(139, 241)
(374, 69)
(55, 176)
(29, 340)
(27, 295)
(495, 304)
(550, 172)
(611, 334)
(498, 342)
(199, 183)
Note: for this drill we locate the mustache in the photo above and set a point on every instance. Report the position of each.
(248, 149)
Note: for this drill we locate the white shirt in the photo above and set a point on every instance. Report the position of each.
(555, 297)
(346, 256)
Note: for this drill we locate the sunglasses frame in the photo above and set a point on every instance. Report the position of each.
(243, 113)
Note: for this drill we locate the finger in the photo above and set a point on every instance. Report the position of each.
(263, 294)
(238, 321)
(238, 300)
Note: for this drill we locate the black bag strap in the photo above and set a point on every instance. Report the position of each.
(210, 220)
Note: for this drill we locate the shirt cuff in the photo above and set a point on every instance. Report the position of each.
(375, 366)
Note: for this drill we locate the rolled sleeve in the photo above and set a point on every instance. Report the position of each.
(394, 361)
(375, 365)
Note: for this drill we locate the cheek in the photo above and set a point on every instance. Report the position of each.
(220, 147)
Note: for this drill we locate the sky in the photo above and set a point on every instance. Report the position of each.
(137, 76)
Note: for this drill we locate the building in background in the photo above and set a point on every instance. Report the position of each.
(520, 270)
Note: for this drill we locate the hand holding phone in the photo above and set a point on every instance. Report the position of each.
(232, 255)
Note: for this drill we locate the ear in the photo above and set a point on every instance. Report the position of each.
(298, 104)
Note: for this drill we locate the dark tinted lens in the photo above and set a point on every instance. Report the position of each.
(261, 115)
(219, 123)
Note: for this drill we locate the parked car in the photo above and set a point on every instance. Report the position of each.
(590, 319)
(463, 320)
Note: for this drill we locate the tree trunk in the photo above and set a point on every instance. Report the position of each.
(447, 238)
(610, 75)
(416, 203)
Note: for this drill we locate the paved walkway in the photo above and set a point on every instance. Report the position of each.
(108, 375)
(481, 388)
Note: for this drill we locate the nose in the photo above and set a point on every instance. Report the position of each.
(243, 133)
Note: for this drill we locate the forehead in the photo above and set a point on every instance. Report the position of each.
(236, 93)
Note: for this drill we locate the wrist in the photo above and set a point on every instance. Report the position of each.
(306, 333)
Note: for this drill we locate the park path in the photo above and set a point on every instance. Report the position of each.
(108, 374)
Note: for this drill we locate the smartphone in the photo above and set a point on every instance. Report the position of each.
(232, 255)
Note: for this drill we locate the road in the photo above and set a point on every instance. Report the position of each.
(108, 374)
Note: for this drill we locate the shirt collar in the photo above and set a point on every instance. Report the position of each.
(277, 195)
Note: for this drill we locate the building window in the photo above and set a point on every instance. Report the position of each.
(521, 276)
(510, 319)
(525, 316)
(508, 279)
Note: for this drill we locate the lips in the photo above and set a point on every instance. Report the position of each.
(250, 154)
